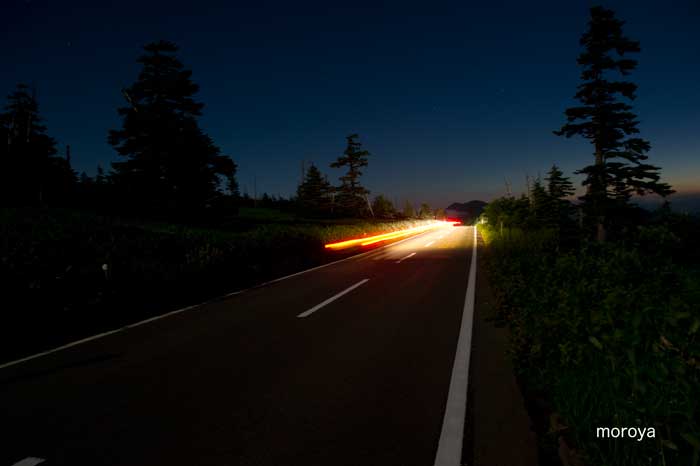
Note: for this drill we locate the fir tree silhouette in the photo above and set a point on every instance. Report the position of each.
(32, 174)
(607, 121)
(170, 162)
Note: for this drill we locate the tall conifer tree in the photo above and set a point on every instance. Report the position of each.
(313, 194)
(170, 162)
(608, 122)
(31, 172)
(559, 188)
(352, 196)
(542, 205)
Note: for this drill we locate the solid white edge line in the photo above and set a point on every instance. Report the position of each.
(449, 451)
(29, 461)
(332, 298)
(404, 258)
(178, 311)
(99, 335)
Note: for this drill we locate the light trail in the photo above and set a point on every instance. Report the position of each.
(366, 241)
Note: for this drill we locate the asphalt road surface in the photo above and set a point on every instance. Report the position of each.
(281, 374)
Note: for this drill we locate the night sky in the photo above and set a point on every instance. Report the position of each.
(449, 97)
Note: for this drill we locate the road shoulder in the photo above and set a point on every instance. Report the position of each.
(498, 427)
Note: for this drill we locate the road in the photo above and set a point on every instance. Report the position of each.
(348, 364)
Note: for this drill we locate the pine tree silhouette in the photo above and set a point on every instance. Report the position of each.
(559, 186)
(607, 121)
(352, 196)
(314, 193)
(542, 206)
(32, 174)
(171, 163)
(559, 189)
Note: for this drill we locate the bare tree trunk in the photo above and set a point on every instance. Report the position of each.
(600, 227)
(600, 231)
(369, 205)
(580, 218)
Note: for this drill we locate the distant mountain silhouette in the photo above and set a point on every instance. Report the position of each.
(689, 203)
(680, 202)
(467, 211)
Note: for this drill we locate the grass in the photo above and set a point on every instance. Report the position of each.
(263, 214)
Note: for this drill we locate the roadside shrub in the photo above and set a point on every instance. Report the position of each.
(611, 333)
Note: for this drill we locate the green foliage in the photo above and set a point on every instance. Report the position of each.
(425, 211)
(611, 333)
(383, 207)
(259, 215)
(408, 210)
(544, 208)
(508, 212)
(171, 164)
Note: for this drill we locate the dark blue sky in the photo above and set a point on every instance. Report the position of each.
(449, 97)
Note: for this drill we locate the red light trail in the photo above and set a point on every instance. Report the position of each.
(367, 240)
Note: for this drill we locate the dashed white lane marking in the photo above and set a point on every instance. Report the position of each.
(404, 258)
(332, 298)
(178, 311)
(30, 461)
(449, 452)
(429, 244)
